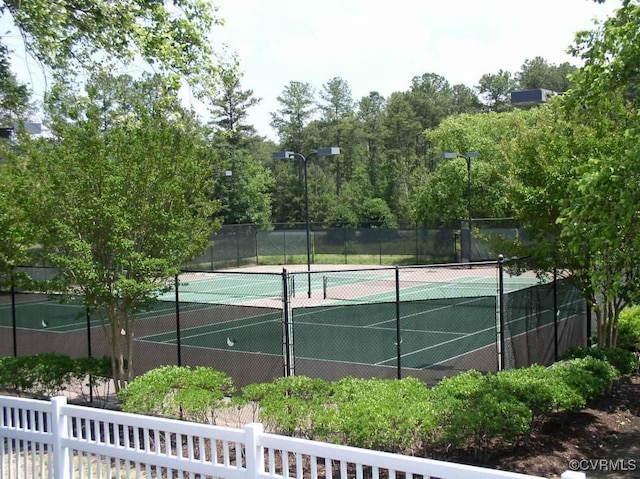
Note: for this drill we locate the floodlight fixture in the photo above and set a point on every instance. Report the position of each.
(285, 155)
(467, 156)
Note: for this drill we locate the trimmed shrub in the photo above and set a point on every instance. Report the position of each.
(589, 377)
(539, 389)
(48, 374)
(178, 392)
(383, 414)
(629, 328)
(470, 408)
(293, 405)
(624, 361)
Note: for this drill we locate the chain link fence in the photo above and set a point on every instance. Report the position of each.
(388, 322)
(243, 245)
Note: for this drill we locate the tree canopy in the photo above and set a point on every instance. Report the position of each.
(119, 198)
(69, 34)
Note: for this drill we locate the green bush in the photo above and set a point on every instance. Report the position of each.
(178, 392)
(539, 389)
(472, 410)
(44, 375)
(629, 328)
(623, 360)
(589, 377)
(388, 415)
(292, 405)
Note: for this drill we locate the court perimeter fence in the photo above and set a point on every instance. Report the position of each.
(249, 244)
(421, 321)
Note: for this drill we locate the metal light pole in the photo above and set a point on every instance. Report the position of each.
(283, 155)
(468, 155)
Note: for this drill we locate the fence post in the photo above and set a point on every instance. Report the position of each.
(589, 320)
(178, 345)
(286, 326)
(555, 314)
(253, 450)
(398, 330)
(238, 248)
(501, 360)
(255, 242)
(59, 430)
(14, 326)
(89, 352)
(417, 247)
(344, 238)
(211, 260)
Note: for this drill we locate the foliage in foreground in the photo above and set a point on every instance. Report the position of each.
(470, 409)
(629, 328)
(44, 375)
(626, 362)
(406, 416)
(178, 392)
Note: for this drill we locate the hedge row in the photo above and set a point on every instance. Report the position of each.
(44, 375)
(406, 416)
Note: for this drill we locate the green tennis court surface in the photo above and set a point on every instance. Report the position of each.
(61, 317)
(353, 318)
(431, 331)
(364, 286)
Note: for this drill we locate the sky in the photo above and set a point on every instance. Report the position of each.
(380, 45)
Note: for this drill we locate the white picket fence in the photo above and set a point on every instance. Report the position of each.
(53, 439)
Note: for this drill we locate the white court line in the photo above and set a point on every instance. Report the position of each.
(421, 313)
(433, 346)
(374, 325)
(224, 330)
(468, 335)
(226, 350)
(348, 326)
(233, 328)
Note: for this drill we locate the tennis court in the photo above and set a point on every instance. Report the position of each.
(61, 316)
(358, 322)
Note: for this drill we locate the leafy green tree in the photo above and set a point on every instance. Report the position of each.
(576, 173)
(433, 99)
(495, 90)
(243, 183)
(341, 216)
(403, 131)
(297, 107)
(242, 187)
(15, 103)
(443, 196)
(564, 176)
(17, 231)
(376, 213)
(465, 100)
(287, 193)
(230, 109)
(538, 73)
(370, 115)
(337, 101)
(119, 199)
(337, 125)
(67, 35)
